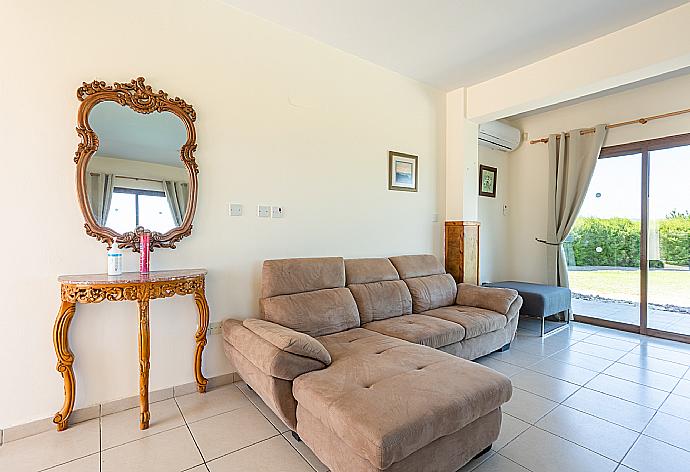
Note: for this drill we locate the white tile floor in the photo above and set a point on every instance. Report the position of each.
(585, 399)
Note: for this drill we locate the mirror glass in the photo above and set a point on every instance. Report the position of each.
(136, 177)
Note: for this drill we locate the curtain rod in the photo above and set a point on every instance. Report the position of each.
(641, 121)
(131, 178)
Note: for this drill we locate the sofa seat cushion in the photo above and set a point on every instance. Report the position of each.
(476, 321)
(420, 329)
(358, 340)
(387, 405)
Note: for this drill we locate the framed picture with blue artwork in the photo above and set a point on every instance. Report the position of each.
(402, 171)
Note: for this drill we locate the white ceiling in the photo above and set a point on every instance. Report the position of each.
(126, 134)
(453, 43)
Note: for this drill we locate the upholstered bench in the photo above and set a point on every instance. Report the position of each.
(540, 300)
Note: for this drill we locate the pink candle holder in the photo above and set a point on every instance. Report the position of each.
(144, 252)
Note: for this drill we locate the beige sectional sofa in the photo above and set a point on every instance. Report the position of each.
(353, 355)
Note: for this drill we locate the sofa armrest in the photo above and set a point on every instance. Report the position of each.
(289, 340)
(265, 355)
(514, 309)
(495, 299)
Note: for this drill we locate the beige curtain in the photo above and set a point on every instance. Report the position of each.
(100, 190)
(571, 164)
(177, 194)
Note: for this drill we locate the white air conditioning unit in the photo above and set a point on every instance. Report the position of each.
(497, 135)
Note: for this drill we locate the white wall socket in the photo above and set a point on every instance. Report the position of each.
(277, 212)
(235, 209)
(213, 329)
(263, 211)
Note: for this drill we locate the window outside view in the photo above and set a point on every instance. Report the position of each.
(603, 249)
(153, 209)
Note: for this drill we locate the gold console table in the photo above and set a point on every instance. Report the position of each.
(130, 286)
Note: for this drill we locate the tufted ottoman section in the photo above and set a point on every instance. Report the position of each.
(386, 399)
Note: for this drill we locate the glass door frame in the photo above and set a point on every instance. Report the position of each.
(644, 148)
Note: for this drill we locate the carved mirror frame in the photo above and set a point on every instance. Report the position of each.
(141, 98)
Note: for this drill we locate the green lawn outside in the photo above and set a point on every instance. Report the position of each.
(665, 286)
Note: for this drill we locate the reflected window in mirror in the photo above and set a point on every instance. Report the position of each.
(132, 207)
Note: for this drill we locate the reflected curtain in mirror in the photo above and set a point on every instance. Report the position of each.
(100, 191)
(177, 194)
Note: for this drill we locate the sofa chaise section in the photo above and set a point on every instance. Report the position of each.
(306, 298)
(387, 404)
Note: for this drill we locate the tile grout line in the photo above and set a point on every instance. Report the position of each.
(203, 459)
(258, 409)
(299, 453)
(274, 426)
(205, 462)
(511, 460)
(100, 440)
(54, 466)
(580, 445)
(243, 447)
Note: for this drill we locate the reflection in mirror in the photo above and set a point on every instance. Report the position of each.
(136, 177)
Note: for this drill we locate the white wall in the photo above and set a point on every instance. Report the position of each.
(494, 232)
(281, 119)
(528, 165)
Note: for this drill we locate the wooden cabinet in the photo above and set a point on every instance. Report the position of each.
(462, 251)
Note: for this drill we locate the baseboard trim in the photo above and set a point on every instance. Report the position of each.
(80, 415)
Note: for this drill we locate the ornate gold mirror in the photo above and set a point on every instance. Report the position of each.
(135, 164)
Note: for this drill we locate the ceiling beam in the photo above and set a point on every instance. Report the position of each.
(653, 47)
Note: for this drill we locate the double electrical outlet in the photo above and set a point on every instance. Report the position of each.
(262, 211)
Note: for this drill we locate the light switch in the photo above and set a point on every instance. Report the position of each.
(277, 212)
(505, 209)
(263, 211)
(235, 209)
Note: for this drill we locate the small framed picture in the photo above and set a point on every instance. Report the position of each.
(402, 172)
(487, 181)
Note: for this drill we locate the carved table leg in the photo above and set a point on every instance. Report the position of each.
(144, 363)
(65, 360)
(202, 307)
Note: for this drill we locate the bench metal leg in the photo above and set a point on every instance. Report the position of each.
(566, 325)
(543, 324)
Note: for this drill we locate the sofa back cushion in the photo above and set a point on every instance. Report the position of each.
(288, 276)
(308, 295)
(417, 266)
(429, 285)
(432, 291)
(377, 289)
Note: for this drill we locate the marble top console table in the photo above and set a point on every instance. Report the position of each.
(131, 286)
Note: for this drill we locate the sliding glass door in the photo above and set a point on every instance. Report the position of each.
(668, 285)
(629, 251)
(603, 249)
